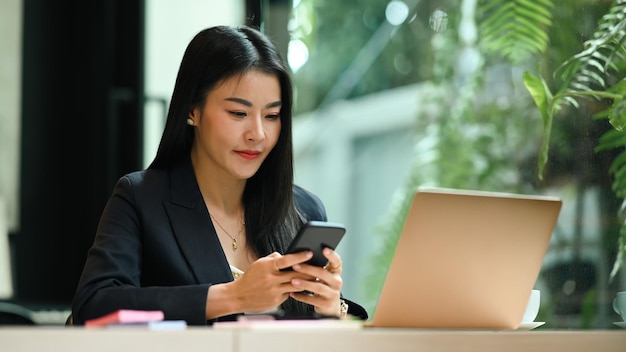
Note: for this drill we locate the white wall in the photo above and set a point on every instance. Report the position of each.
(10, 93)
(170, 25)
(10, 110)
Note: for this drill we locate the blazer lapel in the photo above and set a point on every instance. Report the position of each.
(193, 229)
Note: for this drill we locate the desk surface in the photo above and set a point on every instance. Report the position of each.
(17, 339)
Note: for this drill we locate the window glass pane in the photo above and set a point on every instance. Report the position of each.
(391, 95)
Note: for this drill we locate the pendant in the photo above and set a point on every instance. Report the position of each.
(234, 244)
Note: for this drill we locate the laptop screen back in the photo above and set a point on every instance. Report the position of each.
(466, 259)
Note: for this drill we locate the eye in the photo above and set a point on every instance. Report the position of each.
(272, 116)
(239, 114)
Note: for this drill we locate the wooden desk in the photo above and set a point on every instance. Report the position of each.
(136, 339)
(18, 339)
(435, 341)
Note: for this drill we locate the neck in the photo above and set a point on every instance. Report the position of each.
(221, 192)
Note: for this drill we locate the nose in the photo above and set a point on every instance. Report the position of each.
(255, 131)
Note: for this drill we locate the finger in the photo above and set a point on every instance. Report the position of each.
(318, 287)
(274, 255)
(306, 290)
(334, 269)
(324, 301)
(289, 260)
(334, 261)
(274, 259)
(312, 272)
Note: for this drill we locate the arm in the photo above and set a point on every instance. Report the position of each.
(116, 264)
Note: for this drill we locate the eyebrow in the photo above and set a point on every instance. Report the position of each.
(249, 104)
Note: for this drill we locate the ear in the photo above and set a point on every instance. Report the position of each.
(192, 117)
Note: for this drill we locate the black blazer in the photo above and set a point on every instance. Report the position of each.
(156, 249)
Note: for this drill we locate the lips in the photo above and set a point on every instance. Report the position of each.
(248, 154)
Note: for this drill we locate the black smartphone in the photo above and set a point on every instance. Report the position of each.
(315, 236)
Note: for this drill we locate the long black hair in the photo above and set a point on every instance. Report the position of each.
(214, 55)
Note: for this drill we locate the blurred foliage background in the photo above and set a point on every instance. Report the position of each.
(487, 133)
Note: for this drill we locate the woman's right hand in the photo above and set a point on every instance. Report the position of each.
(262, 287)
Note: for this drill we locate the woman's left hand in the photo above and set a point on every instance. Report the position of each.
(324, 291)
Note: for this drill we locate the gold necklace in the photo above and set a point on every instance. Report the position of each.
(235, 245)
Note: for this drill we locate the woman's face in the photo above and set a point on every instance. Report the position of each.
(238, 125)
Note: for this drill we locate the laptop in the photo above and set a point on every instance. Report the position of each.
(466, 260)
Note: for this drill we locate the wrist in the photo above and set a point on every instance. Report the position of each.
(221, 301)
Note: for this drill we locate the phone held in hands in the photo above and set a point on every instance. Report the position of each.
(315, 236)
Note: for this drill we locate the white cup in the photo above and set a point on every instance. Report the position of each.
(532, 308)
(619, 304)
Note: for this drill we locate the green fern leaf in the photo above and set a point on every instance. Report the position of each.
(601, 53)
(514, 29)
(611, 139)
(618, 163)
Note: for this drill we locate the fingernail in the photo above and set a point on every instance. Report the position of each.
(296, 267)
(295, 282)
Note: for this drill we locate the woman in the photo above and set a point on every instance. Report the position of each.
(198, 234)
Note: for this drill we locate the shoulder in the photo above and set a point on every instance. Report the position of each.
(144, 177)
(308, 204)
(143, 182)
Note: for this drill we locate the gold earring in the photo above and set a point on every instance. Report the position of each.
(190, 122)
